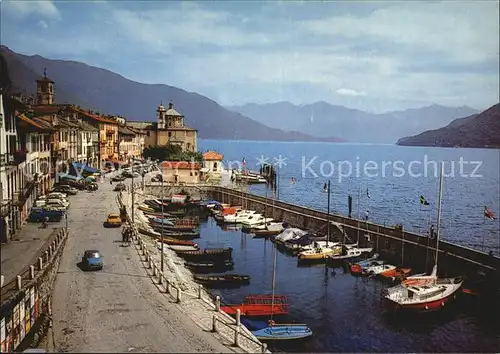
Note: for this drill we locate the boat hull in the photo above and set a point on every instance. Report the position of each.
(283, 332)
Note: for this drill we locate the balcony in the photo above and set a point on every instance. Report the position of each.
(17, 158)
(5, 208)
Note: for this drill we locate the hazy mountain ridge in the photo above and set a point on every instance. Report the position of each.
(476, 131)
(108, 92)
(322, 118)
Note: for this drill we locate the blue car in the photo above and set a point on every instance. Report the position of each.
(92, 260)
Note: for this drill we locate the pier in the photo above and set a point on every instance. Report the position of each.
(397, 245)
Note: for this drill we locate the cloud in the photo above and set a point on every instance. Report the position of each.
(21, 9)
(43, 24)
(350, 92)
(398, 52)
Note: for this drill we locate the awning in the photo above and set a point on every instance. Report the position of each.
(67, 176)
(85, 167)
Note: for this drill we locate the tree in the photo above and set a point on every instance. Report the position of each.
(171, 152)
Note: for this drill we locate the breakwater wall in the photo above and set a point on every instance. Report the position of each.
(25, 310)
(396, 245)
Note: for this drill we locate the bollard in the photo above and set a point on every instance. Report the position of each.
(214, 324)
(32, 272)
(150, 263)
(237, 337)
(49, 251)
(19, 282)
(160, 277)
(217, 303)
(167, 288)
(238, 317)
(47, 256)
(179, 294)
(155, 270)
(40, 263)
(264, 348)
(200, 291)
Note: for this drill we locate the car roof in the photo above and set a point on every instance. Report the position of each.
(91, 251)
(114, 215)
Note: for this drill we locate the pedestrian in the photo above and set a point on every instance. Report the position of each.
(431, 231)
(111, 181)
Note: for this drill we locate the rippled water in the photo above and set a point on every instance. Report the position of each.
(347, 313)
(394, 196)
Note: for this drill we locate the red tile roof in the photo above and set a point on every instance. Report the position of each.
(93, 116)
(181, 165)
(213, 155)
(31, 122)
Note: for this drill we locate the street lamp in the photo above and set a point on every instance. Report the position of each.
(133, 214)
(161, 235)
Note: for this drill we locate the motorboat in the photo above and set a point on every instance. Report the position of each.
(254, 220)
(246, 219)
(319, 252)
(350, 253)
(235, 218)
(378, 269)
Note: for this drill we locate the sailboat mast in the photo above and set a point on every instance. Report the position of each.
(265, 208)
(438, 228)
(328, 217)
(275, 261)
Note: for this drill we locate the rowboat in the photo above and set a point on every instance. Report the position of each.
(207, 254)
(283, 332)
(210, 266)
(259, 306)
(396, 273)
(178, 247)
(222, 280)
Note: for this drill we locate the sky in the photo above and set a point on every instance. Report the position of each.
(373, 56)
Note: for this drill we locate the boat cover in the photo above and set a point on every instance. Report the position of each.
(289, 234)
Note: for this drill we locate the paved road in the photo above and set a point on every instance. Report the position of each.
(117, 309)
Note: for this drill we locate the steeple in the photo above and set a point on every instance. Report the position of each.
(44, 89)
(161, 115)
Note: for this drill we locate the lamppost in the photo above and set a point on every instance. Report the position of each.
(133, 218)
(161, 234)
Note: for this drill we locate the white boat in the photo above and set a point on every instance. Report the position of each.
(255, 220)
(288, 234)
(268, 225)
(316, 244)
(233, 218)
(378, 269)
(426, 293)
(349, 253)
(178, 247)
(244, 219)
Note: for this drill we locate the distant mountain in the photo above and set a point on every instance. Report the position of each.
(323, 119)
(476, 131)
(107, 92)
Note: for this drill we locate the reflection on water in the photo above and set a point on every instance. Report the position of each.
(348, 313)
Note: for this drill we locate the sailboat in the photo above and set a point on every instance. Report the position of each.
(281, 331)
(426, 293)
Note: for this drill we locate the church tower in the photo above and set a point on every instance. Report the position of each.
(44, 90)
(161, 116)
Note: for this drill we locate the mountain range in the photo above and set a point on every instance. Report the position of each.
(107, 92)
(476, 131)
(322, 119)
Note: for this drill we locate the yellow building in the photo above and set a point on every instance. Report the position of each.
(169, 129)
(184, 172)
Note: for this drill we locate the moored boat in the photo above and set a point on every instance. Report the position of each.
(350, 253)
(283, 332)
(396, 273)
(210, 266)
(222, 280)
(259, 306)
(207, 254)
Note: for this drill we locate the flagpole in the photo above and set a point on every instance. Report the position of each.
(328, 219)
(359, 201)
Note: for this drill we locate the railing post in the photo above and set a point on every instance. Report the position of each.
(237, 337)
(179, 294)
(217, 303)
(32, 272)
(160, 277)
(19, 282)
(238, 317)
(200, 290)
(167, 288)
(214, 324)
(47, 256)
(264, 348)
(40, 263)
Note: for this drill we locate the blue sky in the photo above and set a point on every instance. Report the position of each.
(374, 56)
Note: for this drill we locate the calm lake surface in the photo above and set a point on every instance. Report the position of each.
(347, 313)
(394, 190)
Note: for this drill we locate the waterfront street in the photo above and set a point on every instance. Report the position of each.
(117, 309)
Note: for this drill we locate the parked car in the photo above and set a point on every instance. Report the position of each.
(113, 220)
(39, 214)
(92, 260)
(120, 187)
(65, 189)
(118, 178)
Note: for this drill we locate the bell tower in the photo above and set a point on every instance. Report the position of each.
(161, 116)
(44, 90)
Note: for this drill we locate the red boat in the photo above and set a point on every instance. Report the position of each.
(259, 305)
(174, 241)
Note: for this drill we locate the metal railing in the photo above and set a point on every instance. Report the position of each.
(168, 287)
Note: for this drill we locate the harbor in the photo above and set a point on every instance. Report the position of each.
(343, 311)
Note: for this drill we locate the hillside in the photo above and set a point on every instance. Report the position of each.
(476, 131)
(107, 92)
(322, 119)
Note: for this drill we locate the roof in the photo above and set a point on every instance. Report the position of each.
(46, 109)
(93, 116)
(45, 79)
(124, 131)
(172, 112)
(213, 155)
(31, 122)
(180, 165)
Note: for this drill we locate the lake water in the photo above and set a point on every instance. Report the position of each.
(394, 176)
(347, 313)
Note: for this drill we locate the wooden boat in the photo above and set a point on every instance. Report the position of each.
(396, 273)
(266, 233)
(222, 280)
(357, 268)
(180, 247)
(259, 306)
(378, 269)
(176, 242)
(349, 253)
(210, 266)
(283, 332)
(208, 254)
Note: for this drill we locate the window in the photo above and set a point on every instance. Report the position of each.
(169, 134)
(215, 166)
